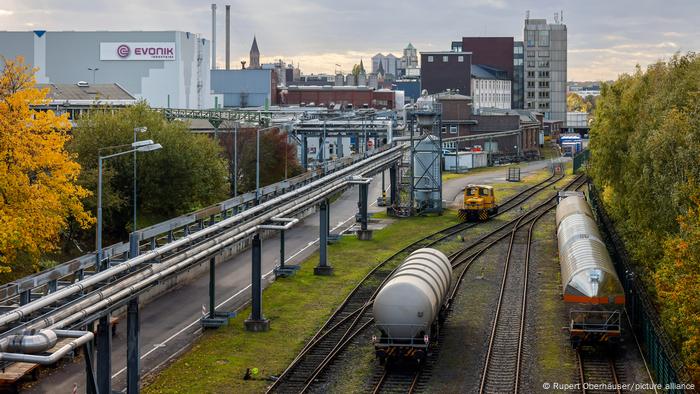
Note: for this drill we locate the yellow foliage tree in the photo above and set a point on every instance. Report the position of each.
(576, 103)
(38, 194)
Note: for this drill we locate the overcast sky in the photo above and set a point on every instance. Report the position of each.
(606, 38)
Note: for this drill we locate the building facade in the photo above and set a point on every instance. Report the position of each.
(442, 71)
(245, 87)
(409, 60)
(491, 88)
(545, 47)
(495, 52)
(165, 68)
(518, 91)
(346, 96)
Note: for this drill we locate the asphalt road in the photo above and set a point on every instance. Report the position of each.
(170, 322)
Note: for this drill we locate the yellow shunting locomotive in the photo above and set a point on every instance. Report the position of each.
(479, 203)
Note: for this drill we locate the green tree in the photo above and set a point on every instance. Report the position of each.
(645, 139)
(190, 171)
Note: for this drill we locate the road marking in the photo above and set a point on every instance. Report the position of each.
(170, 338)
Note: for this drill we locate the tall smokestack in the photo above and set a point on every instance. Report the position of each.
(228, 37)
(213, 36)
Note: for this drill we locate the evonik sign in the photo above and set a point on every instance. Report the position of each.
(137, 51)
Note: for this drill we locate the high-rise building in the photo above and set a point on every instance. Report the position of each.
(389, 63)
(517, 95)
(545, 68)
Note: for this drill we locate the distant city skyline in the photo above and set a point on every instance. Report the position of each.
(605, 38)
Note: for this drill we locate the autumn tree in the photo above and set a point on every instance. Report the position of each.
(278, 157)
(38, 190)
(576, 103)
(645, 139)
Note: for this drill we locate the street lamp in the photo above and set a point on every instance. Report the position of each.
(136, 130)
(140, 146)
(94, 70)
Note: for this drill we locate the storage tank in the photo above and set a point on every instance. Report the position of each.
(427, 174)
(410, 300)
(572, 205)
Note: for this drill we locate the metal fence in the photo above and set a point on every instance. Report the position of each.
(581, 158)
(662, 357)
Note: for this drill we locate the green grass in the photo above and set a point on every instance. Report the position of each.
(296, 306)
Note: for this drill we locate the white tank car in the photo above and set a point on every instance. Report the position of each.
(409, 302)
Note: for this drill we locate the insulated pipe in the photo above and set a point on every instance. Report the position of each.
(89, 306)
(77, 287)
(83, 337)
(37, 343)
(105, 297)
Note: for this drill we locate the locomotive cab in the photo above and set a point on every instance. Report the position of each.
(479, 203)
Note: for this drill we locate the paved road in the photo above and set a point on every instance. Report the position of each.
(170, 322)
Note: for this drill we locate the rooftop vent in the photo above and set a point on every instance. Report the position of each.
(83, 84)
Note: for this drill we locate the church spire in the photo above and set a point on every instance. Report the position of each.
(254, 55)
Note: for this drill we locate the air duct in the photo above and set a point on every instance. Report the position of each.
(228, 37)
(213, 36)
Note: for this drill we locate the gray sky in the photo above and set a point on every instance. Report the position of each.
(605, 37)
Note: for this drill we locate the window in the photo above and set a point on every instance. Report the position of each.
(544, 38)
(460, 59)
(530, 53)
(531, 74)
(430, 59)
(543, 63)
(530, 94)
(543, 53)
(531, 63)
(443, 129)
(543, 74)
(530, 37)
(517, 50)
(543, 94)
(530, 84)
(543, 84)
(453, 129)
(444, 59)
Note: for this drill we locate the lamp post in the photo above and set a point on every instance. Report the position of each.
(140, 146)
(136, 130)
(94, 70)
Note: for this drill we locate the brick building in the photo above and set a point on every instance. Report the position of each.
(442, 71)
(357, 96)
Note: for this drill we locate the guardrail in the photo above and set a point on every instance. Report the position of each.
(50, 280)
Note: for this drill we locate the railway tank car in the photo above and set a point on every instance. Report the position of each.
(590, 285)
(410, 306)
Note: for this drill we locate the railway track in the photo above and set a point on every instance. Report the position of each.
(501, 372)
(599, 373)
(354, 315)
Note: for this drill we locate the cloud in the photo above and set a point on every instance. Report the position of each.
(6, 12)
(673, 34)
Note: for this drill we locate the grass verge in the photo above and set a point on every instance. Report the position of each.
(296, 306)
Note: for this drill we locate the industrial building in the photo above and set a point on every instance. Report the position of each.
(165, 68)
(244, 87)
(545, 67)
(74, 99)
(344, 96)
(442, 71)
(491, 88)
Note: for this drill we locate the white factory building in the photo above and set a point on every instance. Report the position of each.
(166, 68)
(491, 88)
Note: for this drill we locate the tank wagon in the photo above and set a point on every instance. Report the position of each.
(410, 307)
(591, 288)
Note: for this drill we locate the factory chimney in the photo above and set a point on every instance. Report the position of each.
(213, 36)
(228, 37)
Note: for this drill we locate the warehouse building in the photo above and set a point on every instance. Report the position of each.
(166, 68)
